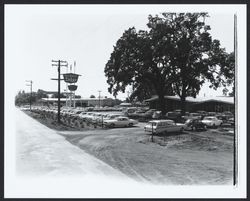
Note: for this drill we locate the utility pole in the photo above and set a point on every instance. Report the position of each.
(99, 98)
(59, 64)
(31, 82)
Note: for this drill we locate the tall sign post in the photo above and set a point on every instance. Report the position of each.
(59, 64)
(71, 79)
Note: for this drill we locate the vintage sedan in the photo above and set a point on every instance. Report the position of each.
(212, 121)
(120, 122)
(195, 124)
(192, 116)
(163, 126)
(231, 121)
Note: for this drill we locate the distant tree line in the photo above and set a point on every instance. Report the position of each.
(23, 98)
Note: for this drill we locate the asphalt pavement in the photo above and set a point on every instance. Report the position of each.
(41, 151)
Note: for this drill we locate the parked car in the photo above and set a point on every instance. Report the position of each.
(192, 116)
(222, 117)
(202, 112)
(86, 116)
(231, 121)
(129, 111)
(195, 124)
(100, 118)
(111, 116)
(120, 122)
(135, 114)
(94, 118)
(163, 126)
(148, 114)
(212, 121)
(228, 114)
(157, 115)
(175, 116)
(211, 113)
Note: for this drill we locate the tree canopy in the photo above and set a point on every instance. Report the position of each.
(25, 98)
(175, 56)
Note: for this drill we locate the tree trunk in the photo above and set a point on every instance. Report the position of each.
(183, 105)
(162, 105)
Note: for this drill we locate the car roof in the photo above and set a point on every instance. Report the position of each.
(157, 121)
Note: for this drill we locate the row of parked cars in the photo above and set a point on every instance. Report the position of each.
(76, 116)
(107, 119)
(212, 118)
(167, 125)
(173, 121)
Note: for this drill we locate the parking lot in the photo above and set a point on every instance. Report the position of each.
(189, 157)
(180, 158)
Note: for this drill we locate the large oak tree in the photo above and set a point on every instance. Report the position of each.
(176, 55)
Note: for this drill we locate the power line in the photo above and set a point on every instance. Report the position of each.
(59, 64)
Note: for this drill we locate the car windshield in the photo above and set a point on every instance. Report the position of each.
(152, 123)
(208, 118)
(114, 116)
(121, 119)
(188, 121)
(195, 114)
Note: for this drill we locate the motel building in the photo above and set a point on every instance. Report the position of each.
(81, 102)
(208, 104)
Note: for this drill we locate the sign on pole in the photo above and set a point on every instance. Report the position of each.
(72, 87)
(70, 77)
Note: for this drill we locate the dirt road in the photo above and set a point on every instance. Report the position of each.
(189, 158)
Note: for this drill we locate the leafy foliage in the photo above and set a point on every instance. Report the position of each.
(25, 98)
(61, 95)
(176, 55)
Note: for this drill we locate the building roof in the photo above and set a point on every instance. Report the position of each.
(125, 104)
(53, 99)
(81, 99)
(224, 99)
(161, 120)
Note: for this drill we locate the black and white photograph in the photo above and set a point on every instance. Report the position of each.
(125, 101)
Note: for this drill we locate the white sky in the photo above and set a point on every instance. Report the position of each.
(36, 34)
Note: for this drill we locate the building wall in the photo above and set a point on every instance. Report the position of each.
(214, 106)
(209, 106)
(94, 102)
(170, 105)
